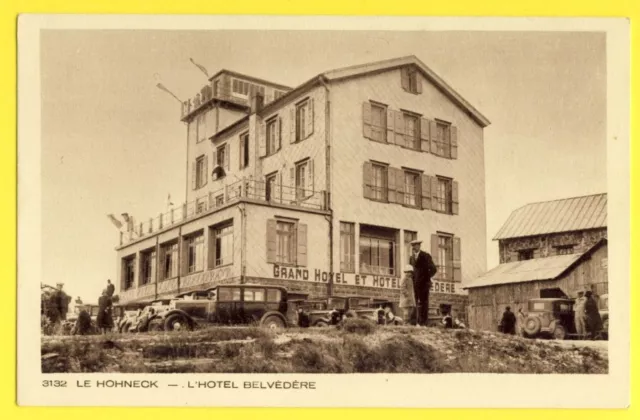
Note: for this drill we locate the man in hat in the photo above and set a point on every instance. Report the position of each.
(594, 321)
(580, 315)
(423, 270)
(110, 288)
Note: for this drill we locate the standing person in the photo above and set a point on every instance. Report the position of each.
(508, 323)
(104, 320)
(407, 295)
(580, 315)
(111, 289)
(423, 270)
(520, 322)
(594, 322)
(447, 320)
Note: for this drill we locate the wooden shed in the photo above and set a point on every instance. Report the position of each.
(513, 284)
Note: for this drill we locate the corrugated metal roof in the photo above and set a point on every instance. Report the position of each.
(566, 215)
(523, 271)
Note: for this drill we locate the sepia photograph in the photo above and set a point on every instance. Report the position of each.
(253, 201)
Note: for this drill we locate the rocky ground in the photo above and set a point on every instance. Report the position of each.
(356, 347)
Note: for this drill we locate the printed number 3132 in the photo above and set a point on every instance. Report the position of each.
(55, 384)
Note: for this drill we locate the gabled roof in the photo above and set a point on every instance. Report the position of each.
(565, 215)
(537, 269)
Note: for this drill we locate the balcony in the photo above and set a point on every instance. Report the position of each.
(250, 191)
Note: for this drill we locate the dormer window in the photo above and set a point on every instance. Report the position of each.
(410, 79)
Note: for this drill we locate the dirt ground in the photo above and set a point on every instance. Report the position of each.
(356, 347)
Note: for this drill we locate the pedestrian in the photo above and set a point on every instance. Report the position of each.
(594, 321)
(111, 289)
(447, 320)
(407, 295)
(104, 320)
(580, 315)
(423, 270)
(520, 322)
(508, 323)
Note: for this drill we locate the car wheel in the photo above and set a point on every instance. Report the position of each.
(532, 326)
(176, 322)
(273, 322)
(559, 332)
(321, 324)
(155, 325)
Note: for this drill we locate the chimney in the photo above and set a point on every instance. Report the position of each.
(257, 102)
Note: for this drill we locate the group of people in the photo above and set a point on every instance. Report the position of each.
(416, 284)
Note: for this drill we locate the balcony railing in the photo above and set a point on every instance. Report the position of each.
(225, 94)
(243, 190)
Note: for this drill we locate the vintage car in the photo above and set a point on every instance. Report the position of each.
(320, 312)
(144, 318)
(233, 304)
(551, 317)
(377, 310)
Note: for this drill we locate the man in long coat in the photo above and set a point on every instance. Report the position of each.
(594, 321)
(423, 270)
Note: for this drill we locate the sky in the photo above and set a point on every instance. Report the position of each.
(112, 142)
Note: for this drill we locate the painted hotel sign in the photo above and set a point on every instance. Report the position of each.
(369, 280)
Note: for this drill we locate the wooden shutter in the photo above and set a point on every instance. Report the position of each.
(292, 184)
(226, 87)
(262, 139)
(310, 118)
(215, 158)
(424, 135)
(457, 262)
(279, 133)
(227, 154)
(418, 77)
(241, 148)
(310, 178)
(277, 188)
(194, 166)
(392, 185)
(399, 129)
(391, 122)
(301, 239)
(206, 170)
(210, 123)
(425, 189)
(366, 120)
(404, 78)
(454, 142)
(455, 207)
(271, 240)
(367, 177)
(434, 193)
(435, 254)
(433, 130)
(292, 126)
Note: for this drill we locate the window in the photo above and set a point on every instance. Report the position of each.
(253, 295)
(411, 80)
(525, 254)
(285, 242)
(148, 266)
(379, 182)
(411, 189)
(564, 249)
(270, 184)
(378, 122)
(411, 131)
(240, 87)
(444, 195)
(195, 252)
(201, 175)
(201, 205)
(219, 200)
(304, 120)
(443, 138)
(301, 179)
(223, 245)
(129, 272)
(244, 150)
(229, 294)
(347, 247)
(169, 254)
(377, 250)
(201, 129)
(220, 156)
(272, 136)
(445, 257)
(274, 295)
(408, 237)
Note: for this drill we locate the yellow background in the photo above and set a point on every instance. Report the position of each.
(9, 9)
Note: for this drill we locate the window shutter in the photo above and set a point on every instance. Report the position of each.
(301, 238)
(367, 172)
(435, 255)
(424, 135)
(391, 122)
(457, 262)
(277, 189)
(215, 159)
(210, 123)
(262, 140)
(241, 148)
(226, 87)
(366, 120)
(404, 78)
(426, 192)
(310, 183)
(279, 133)
(271, 240)
(310, 118)
(292, 182)
(399, 186)
(193, 175)
(433, 130)
(206, 170)
(399, 129)
(227, 154)
(392, 186)
(434, 193)
(292, 126)
(454, 142)
(455, 207)
(418, 77)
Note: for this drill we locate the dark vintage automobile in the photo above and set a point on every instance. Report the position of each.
(550, 317)
(320, 312)
(226, 305)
